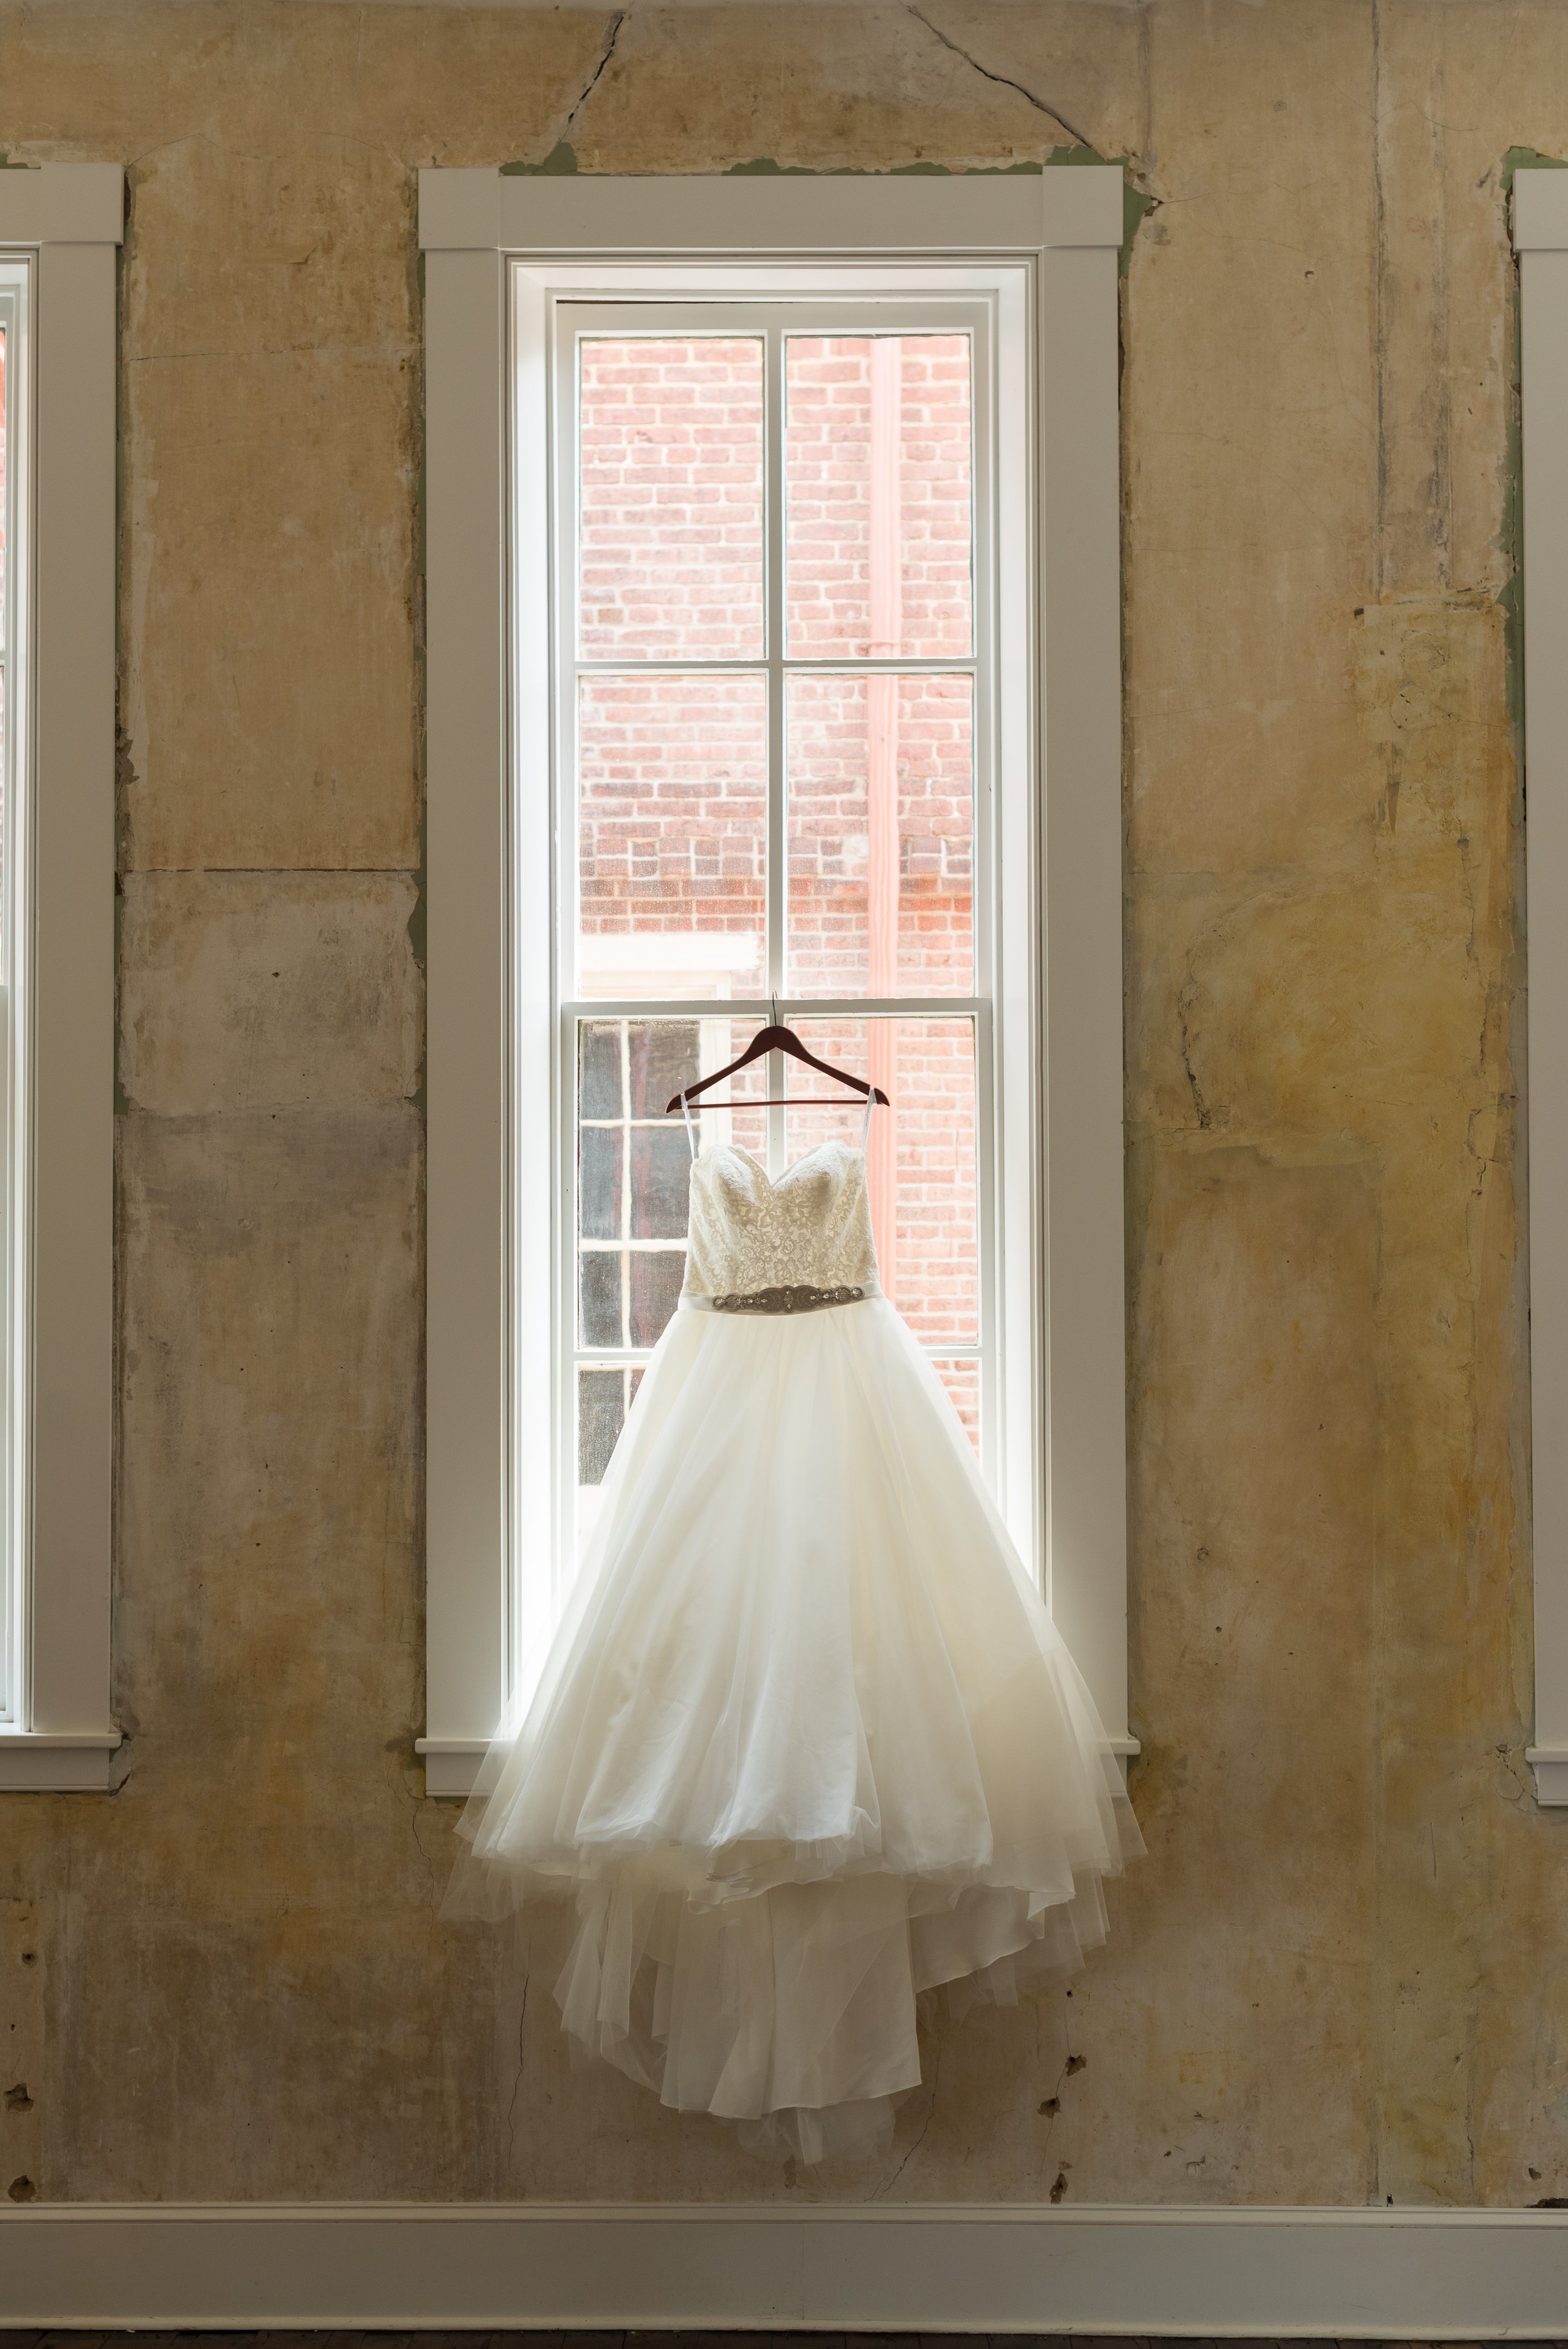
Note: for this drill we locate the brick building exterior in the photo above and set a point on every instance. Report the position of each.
(673, 816)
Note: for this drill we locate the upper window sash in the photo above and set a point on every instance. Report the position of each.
(775, 656)
(60, 230)
(490, 1025)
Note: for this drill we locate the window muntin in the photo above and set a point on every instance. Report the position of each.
(773, 783)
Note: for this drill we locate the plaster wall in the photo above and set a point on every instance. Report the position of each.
(1340, 1976)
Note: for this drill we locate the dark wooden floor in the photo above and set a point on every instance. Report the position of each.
(479, 2340)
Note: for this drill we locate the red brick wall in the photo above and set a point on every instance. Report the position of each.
(672, 486)
(828, 405)
(671, 769)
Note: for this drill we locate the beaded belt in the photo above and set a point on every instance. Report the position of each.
(802, 1299)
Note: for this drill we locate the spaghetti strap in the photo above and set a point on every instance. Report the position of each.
(691, 1130)
(866, 1129)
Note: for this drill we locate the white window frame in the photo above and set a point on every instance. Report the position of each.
(1541, 240)
(498, 251)
(63, 223)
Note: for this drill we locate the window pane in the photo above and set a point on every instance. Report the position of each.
(962, 1380)
(601, 1414)
(633, 1169)
(661, 1170)
(655, 1285)
(733, 1113)
(877, 498)
(673, 837)
(672, 476)
(599, 1168)
(662, 1058)
(598, 1068)
(922, 1159)
(600, 1277)
(881, 835)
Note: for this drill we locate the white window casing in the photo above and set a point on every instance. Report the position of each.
(501, 253)
(1541, 240)
(60, 230)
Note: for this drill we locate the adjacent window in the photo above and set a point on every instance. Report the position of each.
(1540, 238)
(59, 228)
(794, 679)
(15, 277)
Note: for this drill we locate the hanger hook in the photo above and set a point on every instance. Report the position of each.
(775, 1011)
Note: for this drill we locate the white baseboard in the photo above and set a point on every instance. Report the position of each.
(1428, 2275)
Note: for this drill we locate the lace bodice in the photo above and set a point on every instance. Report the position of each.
(809, 1232)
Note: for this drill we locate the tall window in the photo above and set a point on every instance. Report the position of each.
(773, 650)
(774, 738)
(60, 229)
(14, 292)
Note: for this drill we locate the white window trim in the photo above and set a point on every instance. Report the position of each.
(67, 220)
(1541, 240)
(1063, 228)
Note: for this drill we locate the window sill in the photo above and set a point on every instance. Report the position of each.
(1550, 1764)
(44, 1763)
(451, 1764)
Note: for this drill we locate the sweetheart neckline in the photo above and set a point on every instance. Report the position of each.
(773, 1184)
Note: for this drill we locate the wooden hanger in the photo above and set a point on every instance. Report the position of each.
(775, 1038)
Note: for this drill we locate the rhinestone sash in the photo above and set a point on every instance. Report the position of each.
(802, 1299)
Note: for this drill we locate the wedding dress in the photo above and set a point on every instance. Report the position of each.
(807, 1743)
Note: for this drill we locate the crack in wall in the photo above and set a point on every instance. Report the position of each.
(1004, 81)
(589, 86)
(883, 2191)
(1183, 1001)
(516, 2076)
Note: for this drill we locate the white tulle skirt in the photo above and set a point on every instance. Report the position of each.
(807, 1743)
